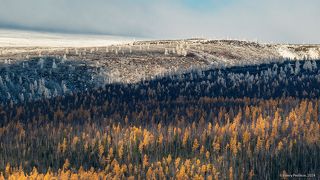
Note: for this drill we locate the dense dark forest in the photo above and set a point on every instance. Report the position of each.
(252, 122)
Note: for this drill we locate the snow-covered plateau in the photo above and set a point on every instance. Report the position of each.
(18, 38)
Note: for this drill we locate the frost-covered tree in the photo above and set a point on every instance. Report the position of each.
(21, 97)
(297, 67)
(64, 57)
(166, 52)
(307, 66)
(1, 82)
(41, 86)
(64, 87)
(20, 80)
(7, 78)
(314, 65)
(173, 50)
(54, 65)
(8, 96)
(275, 69)
(184, 52)
(41, 62)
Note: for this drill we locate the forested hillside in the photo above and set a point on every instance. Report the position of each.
(250, 122)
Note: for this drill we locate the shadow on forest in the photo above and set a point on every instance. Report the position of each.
(298, 79)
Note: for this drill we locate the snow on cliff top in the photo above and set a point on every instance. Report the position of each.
(17, 38)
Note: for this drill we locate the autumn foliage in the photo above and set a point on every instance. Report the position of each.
(245, 141)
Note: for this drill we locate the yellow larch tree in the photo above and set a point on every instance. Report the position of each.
(145, 161)
(195, 145)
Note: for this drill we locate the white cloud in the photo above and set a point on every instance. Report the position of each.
(272, 20)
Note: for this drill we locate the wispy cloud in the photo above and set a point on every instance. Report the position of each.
(272, 20)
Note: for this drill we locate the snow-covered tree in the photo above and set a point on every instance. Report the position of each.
(20, 80)
(8, 96)
(166, 52)
(1, 82)
(21, 97)
(54, 65)
(41, 62)
(307, 66)
(297, 67)
(314, 65)
(184, 52)
(64, 58)
(64, 87)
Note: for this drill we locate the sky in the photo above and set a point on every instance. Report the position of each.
(286, 21)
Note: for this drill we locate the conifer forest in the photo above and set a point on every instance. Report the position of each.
(258, 121)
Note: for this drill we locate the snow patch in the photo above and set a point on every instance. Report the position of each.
(314, 53)
(298, 52)
(286, 53)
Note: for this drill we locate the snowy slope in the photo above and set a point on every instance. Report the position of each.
(126, 60)
(16, 38)
(299, 51)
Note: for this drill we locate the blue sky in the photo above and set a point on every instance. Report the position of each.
(202, 5)
(294, 21)
(207, 5)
